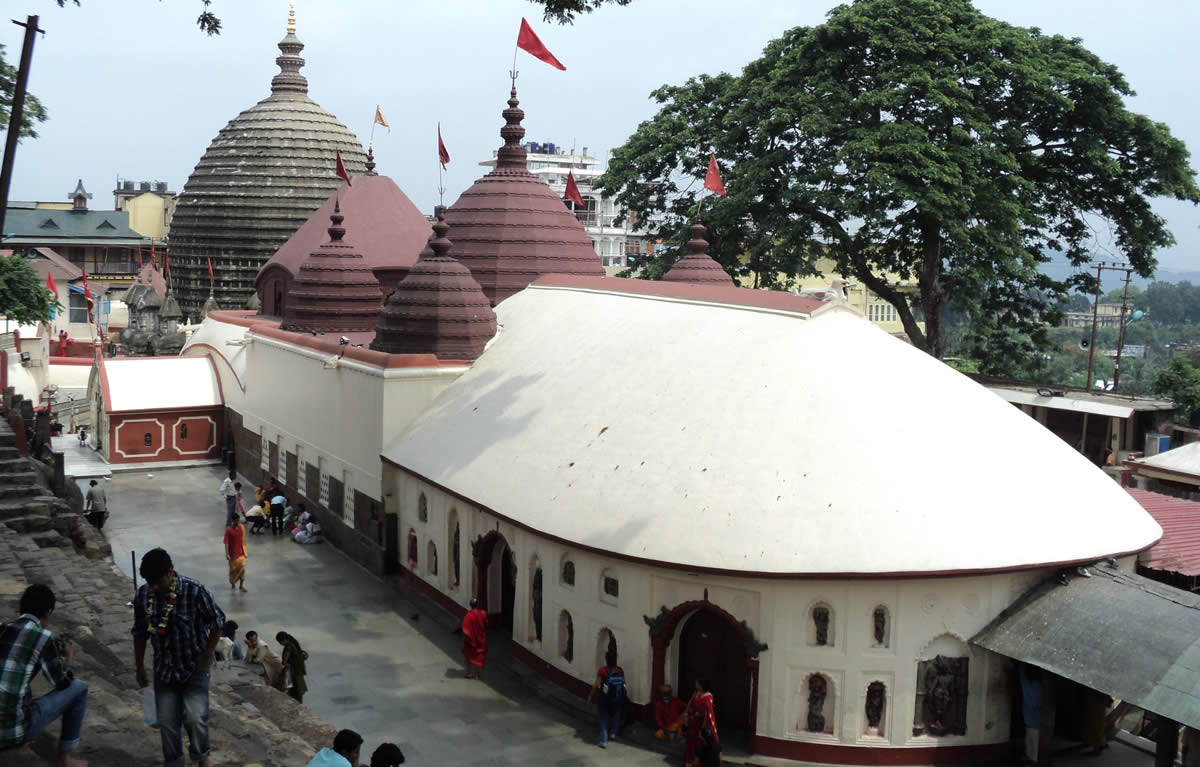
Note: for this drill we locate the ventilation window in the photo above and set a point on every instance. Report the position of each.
(147, 440)
(568, 573)
(183, 431)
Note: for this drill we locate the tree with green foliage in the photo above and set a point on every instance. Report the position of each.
(566, 11)
(1180, 381)
(24, 298)
(920, 139)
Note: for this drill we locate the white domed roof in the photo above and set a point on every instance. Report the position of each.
(756, 440)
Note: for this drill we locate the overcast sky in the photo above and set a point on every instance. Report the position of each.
(134, 89)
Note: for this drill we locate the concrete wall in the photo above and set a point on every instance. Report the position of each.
(144, 437)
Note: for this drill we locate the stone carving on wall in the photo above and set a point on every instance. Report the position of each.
(880, 620)
(753, 646)
(454, 554)
(820, 616)
(818, 688)
(537, 603)
(657, 622)
(876, 697)
(941, 697)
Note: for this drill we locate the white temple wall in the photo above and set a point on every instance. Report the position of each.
(924, 617)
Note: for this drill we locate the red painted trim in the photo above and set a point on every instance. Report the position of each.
(17, 339)
(724, 294)
(3, 369)
(829, 753)
(72, 360)
(550, 672)
(417, 583)
(753, 573)
(197, 410)
(218, 352)
(269, 328)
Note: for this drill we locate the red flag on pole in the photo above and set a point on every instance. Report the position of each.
(50, 285)
(573, 190)
(87, 294)
(341, 170)
(153, 256)
(139, 252)
(529, 42)
(712, 179)
(210, 271)
(443, 155)
(167, 265)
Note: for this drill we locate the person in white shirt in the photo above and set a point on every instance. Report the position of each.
(229, 493)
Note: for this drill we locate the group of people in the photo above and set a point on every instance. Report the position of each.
(347, 746)
(286, 674)
(270, 506)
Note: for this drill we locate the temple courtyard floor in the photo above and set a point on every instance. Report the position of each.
(378, 663)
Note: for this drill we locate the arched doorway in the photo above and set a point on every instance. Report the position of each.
(496, 580)
(710, 649)
(711, 645)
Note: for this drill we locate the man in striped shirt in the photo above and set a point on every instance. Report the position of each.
(26, 647)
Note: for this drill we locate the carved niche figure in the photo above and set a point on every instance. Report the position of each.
(820, 616)
(537, 604)
(942, 698)
(880, 618)
(876, 696)
(817, 690)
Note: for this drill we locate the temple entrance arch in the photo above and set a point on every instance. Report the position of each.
(711, 645)
(495, 580)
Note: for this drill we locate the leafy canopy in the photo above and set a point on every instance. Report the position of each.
(566, 11)
(919, 139)
(24, 298)
(1180, 381)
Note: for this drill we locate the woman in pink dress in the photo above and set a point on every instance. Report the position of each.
(703, 746)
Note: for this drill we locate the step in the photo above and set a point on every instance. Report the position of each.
(27, 477)
(15, 491)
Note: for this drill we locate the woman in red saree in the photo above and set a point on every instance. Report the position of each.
(474, 629)
(702, 746)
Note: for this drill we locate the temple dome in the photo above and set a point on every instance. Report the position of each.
(335, 289)
(697, 266)
(263, 175)
(510, 227)
(438, 308)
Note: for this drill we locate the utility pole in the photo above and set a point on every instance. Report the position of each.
(16, 116)
(1121, 333)
(1095, 315)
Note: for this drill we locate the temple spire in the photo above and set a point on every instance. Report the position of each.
(697, 266)
(289, 79)
(512, 155)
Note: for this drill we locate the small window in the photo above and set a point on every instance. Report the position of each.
(568, 573)
(147, 440)
(183, 431)
(612, 587)
(423, 508)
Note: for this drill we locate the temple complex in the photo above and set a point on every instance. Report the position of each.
(263, 175)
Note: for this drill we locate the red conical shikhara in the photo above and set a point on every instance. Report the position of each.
(438, 308)
(510, 228)
(698, 267)
(335, 290)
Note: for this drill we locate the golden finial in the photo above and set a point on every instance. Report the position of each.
(291, 17)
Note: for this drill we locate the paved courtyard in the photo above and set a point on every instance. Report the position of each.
(377, 665)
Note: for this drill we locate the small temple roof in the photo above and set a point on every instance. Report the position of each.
(438, 308)
(211, 305)
(80, 192)
(335, 289)
(697, 266)
(170, 308)
(510, 228)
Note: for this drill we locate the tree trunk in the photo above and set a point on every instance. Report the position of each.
(933, 297)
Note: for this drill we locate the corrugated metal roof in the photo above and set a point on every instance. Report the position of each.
(1122, 634)
(1179, 549)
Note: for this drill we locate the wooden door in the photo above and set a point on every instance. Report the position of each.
(710, 649)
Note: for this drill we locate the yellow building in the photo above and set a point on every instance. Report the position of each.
(874, 308)
(150, 206)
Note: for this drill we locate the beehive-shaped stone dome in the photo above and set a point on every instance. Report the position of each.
(697, 266)
(260, 179)
(510, 228)
(438, 308)
(335, 290)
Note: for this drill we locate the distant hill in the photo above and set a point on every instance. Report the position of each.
(1112, 280)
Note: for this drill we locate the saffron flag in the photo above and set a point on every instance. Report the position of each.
(167, 264)
(712, 179)
(573, 190)
(379, 119)
(341, 170)
(51, 286)
(209, 260)
(529, 42)
(153, 257)
(443, 155)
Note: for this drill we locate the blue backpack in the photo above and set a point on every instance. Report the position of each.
(614, 686)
